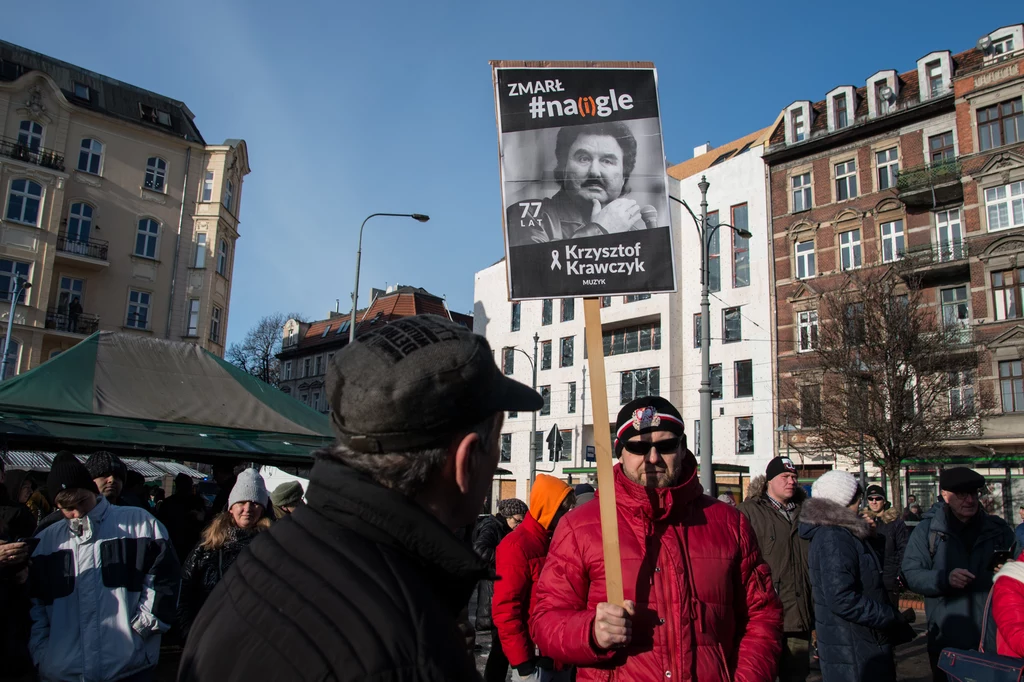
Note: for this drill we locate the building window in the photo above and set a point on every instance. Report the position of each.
(90, 156)
(572, 397)
(950, 235)
(639, 383)
(200, 261)
(545, 355)
(888, 164)
(849, 249)
(807, 326)
(744, 435)
(893, 243)
(545, 392)
(696, 438)
(955, 311)
(840, 111)
(1003, 45)
(288, 369)
(318, 364)
(538, 445)
(508, 361)
(633, 298)
(565, 359)
(1007, 291)
(23, 201)
(146, 238)
(506, 447)
(606, 301)
(934, 73)
(215, 326)
(82, 91)
(731, 325)
(222, 258)
(744, 372)
(940, 147)
(545, 315)
(810, 406)
(208, 186)
(881, 102)
(30, 135)
(799, 125)
(516, 311)
(631, 339)
(714, 251)
(1011, 385)
(156, 174)
(1004, 205)
(229, 194)
(854, 325)
(10, 271)
(715, 374)
(138, 309)
(568, 309)
(1001, 124)
(805, 259)
(740, 249)
(565, 455)
(307, 367)
(193, 320)
(846, 180)
(696, 330)
(961, 394)
(801, 192)
(79, 223)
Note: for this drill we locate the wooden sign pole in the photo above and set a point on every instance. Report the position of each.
(603, 447)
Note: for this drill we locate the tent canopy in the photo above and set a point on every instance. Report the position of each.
(139, 396)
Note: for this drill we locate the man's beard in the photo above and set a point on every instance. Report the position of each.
(656, 477)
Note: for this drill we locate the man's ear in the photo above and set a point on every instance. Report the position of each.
(465, 458)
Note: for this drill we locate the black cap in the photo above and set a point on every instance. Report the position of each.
(779, 465)
(103, 463)
(875, 489)
(414, 383)
(67, 473)
(644, 415)
(961, 480)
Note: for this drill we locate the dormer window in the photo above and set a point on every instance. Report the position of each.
(82, 91)
(934, 70)
(798, 124)
(1002, 42)
(883, 89)
(882, 97)
(934, 75)
(841, 105)
(1002, 45)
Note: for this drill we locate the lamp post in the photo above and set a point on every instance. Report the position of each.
(359, 256)
(533, 419)
(706, 232)
(18, 285)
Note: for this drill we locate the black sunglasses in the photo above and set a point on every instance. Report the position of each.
(876, 499)
(668, 446)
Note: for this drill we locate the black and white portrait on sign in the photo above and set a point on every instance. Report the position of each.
(583, 182)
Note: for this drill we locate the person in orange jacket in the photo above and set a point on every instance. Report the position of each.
(518, 563)
(1008, 608)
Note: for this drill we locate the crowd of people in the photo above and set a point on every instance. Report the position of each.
(371, 577)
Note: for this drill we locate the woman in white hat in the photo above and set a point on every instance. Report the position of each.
(223, 540)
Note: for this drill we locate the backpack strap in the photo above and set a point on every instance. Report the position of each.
(984, 618)
(933, 542)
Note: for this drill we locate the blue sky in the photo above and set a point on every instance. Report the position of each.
(353, 108)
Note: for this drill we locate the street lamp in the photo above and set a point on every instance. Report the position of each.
(18, 286)
(359, 256)
(706, 232)
(533, 426)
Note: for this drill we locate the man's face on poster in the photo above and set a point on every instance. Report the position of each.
(593, 169)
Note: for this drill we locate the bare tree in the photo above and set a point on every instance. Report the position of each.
(257, 352)
(896, 374)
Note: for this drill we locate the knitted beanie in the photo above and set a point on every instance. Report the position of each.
(287, 494)
(67, 473)
(512, 507)
(836, 486)
(249, 487)
(103, 463)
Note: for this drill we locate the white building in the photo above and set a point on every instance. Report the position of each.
(638, 337)
(742, 357)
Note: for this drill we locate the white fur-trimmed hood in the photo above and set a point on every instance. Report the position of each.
(1013, 570)
(817, 511)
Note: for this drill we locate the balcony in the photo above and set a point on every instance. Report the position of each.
(81, 323)
(930, 185)
(40, 156)
(934, 264)
(88, 253)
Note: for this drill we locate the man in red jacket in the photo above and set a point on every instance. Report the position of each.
(699, 598)
(518, 562)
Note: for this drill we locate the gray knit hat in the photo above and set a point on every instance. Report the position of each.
(249, 487)
(836, 486)
(512, 507)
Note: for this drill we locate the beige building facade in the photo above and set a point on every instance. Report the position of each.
(115, 210)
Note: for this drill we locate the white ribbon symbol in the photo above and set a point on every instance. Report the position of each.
(554, 260)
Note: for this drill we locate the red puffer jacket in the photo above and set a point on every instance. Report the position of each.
(705, 607)
(1008, 608)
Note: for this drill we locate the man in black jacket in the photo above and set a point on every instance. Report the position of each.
(366, 581)
(891, 538)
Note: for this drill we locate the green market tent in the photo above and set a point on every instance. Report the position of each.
(145, 397)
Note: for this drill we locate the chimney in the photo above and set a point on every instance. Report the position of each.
(702, 149)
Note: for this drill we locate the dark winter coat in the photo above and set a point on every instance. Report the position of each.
(891, 537)
(16, 521)
(361, 584)
(488, 533)
(184, 518)
(203, 569)
(784, 551)
(954, 615)
(851, 607)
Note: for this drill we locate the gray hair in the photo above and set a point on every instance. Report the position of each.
(407, 472)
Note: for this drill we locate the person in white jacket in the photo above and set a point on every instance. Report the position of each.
(104, 585)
